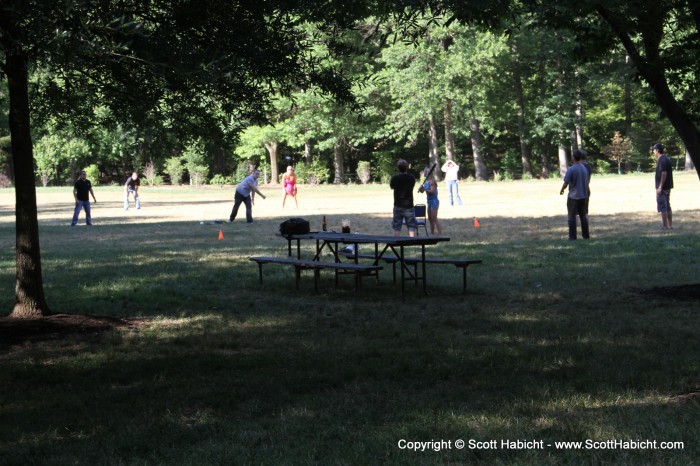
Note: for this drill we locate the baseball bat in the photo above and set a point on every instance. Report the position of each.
(430, 172)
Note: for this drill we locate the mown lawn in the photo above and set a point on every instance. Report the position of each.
(553, 342)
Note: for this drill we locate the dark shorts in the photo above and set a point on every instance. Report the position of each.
(399, 216)
(663, 201)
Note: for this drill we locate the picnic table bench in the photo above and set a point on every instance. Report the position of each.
(415, 261)
(300, 264)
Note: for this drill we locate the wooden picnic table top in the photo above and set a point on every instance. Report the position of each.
(361, 238)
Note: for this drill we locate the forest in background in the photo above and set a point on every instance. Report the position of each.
(504, 102)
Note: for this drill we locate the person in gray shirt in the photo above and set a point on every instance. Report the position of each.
(577, 180)
(245, 193)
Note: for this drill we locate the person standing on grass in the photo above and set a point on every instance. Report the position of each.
(132, 187)
(403, 184)
(289, 182)
(245, 193)
(577, 180)
(451, 170)
(587, 166)
(81, 193)
(664, 183)
(431, 191)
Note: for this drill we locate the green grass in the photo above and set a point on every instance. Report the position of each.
(549, 344)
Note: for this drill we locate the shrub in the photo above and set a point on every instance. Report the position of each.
(221, 180)
(602, 167)
(316, 173)
(174, 168)
(5, 181)
(93, 174)
(150, 175)
(363, 172)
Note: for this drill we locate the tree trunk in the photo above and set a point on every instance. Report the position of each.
(629, 104)
(578, 132)
(433, 143)
(30, 301)
(308, 148)
(272, 150)
(480, 171)
(563, 160)
(546, 170)
(525, 151)
(688, 161)
(450, 145)
(339, 163)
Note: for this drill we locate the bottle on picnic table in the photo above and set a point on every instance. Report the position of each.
(324, 225)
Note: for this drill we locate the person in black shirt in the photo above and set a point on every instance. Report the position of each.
(132, 186)
(403, 184)
(81, 192)
(663, 181)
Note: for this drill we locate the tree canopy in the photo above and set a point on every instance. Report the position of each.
(506, 83)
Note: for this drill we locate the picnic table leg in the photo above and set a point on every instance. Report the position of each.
(297, 270)
(260, 271)
(464, 279)
(425, 285)
(403, 273)
(317, 277)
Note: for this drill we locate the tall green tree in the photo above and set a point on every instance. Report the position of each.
(662, 39)
(192, 64)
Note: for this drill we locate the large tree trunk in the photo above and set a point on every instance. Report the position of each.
(450, 145)
(272, 150)
(629, 104)
(308, 148)
(578, 131)
(688, 161)
(525, 151)
(563, 160)
(433, 143)
(546, 170)
(29, 288)
(480, 171)
(339, 163)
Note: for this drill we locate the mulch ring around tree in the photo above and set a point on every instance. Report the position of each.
(680, 292)
(57, 326)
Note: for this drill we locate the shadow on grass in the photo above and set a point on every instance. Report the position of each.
(348, 382)
(547, 345)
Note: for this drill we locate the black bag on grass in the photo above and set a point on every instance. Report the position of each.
(294, 226)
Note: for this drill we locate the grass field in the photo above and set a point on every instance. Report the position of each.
(551, 344)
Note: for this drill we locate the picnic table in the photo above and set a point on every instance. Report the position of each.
(386, 247)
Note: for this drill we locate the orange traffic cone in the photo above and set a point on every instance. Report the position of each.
(221, 235)
(476, 223)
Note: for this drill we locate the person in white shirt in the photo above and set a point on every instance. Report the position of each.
(245, 193)
(451, 170)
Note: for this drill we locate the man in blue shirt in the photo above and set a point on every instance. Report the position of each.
(664, 183)
(577, 179)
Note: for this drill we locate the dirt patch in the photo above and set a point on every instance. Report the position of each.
(57, 326)
(680, 292)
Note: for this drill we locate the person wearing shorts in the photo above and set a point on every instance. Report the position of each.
(431, 191)
(403, 183)
(664, 183)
